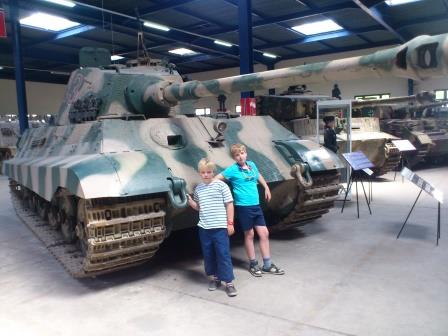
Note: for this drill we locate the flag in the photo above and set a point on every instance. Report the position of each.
(2, 24)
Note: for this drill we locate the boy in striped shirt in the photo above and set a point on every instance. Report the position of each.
(213, 200)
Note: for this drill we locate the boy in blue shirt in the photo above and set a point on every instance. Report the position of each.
(213, 200)
(243, 176)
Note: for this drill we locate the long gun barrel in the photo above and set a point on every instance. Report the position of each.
(421, 58)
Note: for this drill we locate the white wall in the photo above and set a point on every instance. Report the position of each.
(42, 98)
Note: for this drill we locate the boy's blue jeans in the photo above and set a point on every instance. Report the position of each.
(216, 251)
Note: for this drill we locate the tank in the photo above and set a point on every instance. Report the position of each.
(8, 139)
(297, 112)
(418, 118)
(107, 183)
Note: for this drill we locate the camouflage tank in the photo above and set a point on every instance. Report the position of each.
(110, 178)
(297, 112)
(417, 118)
(8, 139)
(112, 175)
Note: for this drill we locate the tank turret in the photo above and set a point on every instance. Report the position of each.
(107, 183)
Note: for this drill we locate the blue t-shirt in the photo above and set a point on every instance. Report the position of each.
(244, 183)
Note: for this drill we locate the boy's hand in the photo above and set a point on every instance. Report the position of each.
(267, 194)
(230, 227)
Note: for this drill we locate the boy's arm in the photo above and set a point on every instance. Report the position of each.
(192, 203)
(230, 214)
(267, 191)
(220, 177)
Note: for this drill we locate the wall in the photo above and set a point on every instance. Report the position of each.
(42, 98)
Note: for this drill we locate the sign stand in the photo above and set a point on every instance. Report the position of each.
(403, 146)
(437, 194)
(358, 162)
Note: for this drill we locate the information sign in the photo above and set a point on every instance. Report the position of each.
(358, 160)
(404, 145)
(421, 183)
(2, 24)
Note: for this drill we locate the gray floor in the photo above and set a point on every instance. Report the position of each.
(344, 277)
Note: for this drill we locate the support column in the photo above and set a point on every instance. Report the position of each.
(410, 87)
(271, 66)
(246, 53)
(18, 64)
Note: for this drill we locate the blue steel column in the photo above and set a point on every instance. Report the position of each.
(245, 40)
(18, 64)
(410, 87)
(271, 66)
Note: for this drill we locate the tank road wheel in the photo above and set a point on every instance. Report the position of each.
(32, 202)
(68, 218)
(54, 215)
(42, 208)
(81, 221)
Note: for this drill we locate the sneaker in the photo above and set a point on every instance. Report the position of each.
(255, 270)
(273, 270)
(213, 284)
(231, 290)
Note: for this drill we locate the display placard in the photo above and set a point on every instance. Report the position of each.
(404, 145)
(358, 160)
(368, 171)
(421, 183)
(2, 24)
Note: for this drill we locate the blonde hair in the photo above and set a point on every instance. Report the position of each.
(236, 148)
(206, 163)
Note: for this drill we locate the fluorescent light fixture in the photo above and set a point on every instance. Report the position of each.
(62, 3)
(1, 68)
(317, 27)
(225, 44)
(398, 2)
(182, 52)
(116, 57)
(48, 22)
(269, 55)
(155, 26)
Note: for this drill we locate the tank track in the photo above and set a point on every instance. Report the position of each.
(117, 235)
(312, 202)
(420, 156)
(393, 157)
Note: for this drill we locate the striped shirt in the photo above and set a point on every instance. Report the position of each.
(211, 199)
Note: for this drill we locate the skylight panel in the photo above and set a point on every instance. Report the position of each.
(48, 22)
(183, 52)
(318, 27)
(398, 2)
(62, 3)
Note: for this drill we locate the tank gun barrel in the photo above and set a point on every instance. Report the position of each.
(423, 98)
(421, 58)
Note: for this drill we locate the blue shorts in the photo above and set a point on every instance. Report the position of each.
(249, 216)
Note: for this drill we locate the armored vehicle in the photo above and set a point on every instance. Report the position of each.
(418, 118)
(297, 112)
(8, 139)
(112, 174)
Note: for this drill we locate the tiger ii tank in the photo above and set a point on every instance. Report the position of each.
(107, 183)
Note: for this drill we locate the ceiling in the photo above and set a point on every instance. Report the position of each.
(195, 24)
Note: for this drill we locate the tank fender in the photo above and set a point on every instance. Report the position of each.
(317, 157)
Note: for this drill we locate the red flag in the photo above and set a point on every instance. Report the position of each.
(2, 24)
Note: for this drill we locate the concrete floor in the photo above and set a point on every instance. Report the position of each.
(344, 277)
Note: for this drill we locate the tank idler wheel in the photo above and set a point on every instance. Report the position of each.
(42, 208)
(54, 216)
(68, 228)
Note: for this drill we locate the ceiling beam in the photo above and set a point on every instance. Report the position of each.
(378, 17)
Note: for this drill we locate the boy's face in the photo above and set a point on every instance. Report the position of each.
(206, 174)
(240, 157)
(331, 124)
